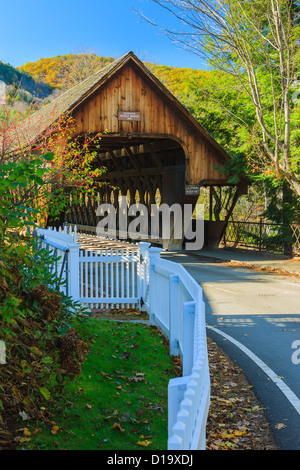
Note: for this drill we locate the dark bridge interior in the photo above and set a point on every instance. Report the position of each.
(147, 170)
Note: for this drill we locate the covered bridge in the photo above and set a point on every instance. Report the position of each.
(151, 145)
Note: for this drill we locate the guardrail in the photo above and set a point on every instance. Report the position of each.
(263, 236)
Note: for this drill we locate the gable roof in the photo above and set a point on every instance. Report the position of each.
(35, 125)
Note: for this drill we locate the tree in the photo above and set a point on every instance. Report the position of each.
(256, 43)
(84, 63)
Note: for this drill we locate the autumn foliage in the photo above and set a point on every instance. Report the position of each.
(41, 351)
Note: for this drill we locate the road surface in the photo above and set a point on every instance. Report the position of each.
(255, 318)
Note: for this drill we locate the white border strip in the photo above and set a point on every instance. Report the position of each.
(293, 399)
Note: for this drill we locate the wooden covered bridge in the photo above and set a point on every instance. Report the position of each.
(151, 145)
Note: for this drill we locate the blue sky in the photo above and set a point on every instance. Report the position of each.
(31, 29)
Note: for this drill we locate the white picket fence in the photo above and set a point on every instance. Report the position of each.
(62, 245)
(97, 278)
(108, 278)
(174, 302)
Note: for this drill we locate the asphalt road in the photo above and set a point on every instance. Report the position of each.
(255, 318)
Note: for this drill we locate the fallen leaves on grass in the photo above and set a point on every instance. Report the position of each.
(126, 314)
(118, 427)
(55, 429)
(235, 421)
(144, 443)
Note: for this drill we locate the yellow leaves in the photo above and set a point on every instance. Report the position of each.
(239, 433)
(228, 439)
(26, 432)
(36, 351)
(26, 435)
(55, 429)
(234, 408)
(233, 434)
(280, 426)
(144, 443)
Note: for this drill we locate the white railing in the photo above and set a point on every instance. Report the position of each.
(174, 302)
(98, 278)
(62, 245)
(176, 306)
(107, 277)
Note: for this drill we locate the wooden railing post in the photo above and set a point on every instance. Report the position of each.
(260, 233)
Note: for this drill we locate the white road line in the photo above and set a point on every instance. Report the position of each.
(293, 399)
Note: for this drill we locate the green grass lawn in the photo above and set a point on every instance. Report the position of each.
(119, 402)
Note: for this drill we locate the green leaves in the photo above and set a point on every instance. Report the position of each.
(49, 156)
(36, 351)
(45, 393)
(22, 191)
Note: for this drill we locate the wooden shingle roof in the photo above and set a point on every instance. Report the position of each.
(36, 124)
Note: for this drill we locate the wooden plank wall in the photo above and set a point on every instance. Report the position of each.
(129, 90)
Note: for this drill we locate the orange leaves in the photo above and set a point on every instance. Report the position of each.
(118, 427)
(26, 432)
(236, 420)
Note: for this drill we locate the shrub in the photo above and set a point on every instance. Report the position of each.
(35, 315)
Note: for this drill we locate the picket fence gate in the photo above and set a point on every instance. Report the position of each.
(96, 279)
(174, 302)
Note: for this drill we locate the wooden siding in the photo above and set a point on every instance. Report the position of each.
(129, 89)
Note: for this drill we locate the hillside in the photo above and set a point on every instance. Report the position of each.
(178, 80)
(61, 72)
(64, 71)
(21, 87)
(35, 83)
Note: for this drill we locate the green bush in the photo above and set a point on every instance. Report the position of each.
(35, 315)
